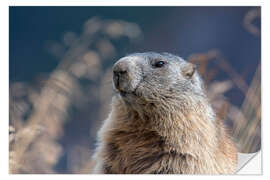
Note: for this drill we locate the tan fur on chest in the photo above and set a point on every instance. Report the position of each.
(130, 145)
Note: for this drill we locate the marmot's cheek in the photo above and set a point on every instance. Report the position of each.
(144, 93)
(134, 81)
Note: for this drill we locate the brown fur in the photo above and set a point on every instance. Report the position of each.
(171, 136)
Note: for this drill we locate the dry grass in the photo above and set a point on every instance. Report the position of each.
(38, 113)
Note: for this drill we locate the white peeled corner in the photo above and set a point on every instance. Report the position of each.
(249, 163)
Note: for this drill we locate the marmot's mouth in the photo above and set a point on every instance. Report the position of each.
(125, 93)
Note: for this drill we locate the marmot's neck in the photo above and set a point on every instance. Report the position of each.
(190, 128)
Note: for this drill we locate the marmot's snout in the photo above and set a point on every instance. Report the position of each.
(126, 75)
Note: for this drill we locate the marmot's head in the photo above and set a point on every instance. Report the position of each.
(153, 78)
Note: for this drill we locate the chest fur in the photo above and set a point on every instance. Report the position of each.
(140, 153)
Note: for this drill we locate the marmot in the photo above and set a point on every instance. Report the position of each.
(161, 121)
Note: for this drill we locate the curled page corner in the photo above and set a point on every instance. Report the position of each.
(249, 163)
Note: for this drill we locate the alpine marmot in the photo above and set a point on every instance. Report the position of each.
(161, 121)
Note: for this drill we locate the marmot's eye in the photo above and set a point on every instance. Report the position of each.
(159, 64)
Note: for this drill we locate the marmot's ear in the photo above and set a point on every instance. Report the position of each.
(189, 69)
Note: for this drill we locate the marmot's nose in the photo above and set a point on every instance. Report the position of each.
(126, 74)
(120, 74)
(119, 71)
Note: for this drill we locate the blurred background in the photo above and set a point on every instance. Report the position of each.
(60, 73)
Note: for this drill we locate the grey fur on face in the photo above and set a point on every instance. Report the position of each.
(150, 76)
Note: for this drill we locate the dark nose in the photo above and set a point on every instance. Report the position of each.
(117, 77)
(120, 71)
